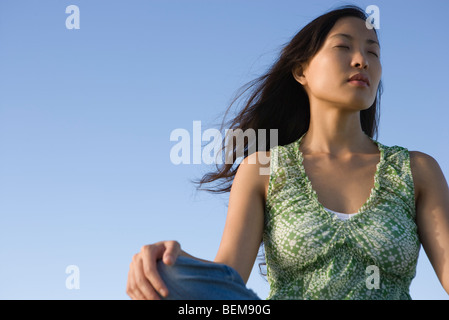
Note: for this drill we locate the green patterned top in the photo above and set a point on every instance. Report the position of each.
(312, 254)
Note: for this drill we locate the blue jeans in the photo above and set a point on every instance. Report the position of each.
(190, 279)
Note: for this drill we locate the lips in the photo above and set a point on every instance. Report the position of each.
(360, 77)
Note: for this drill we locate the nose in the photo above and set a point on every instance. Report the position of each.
(360, 61)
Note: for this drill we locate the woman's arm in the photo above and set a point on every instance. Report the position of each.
(239, 245)
(243, 230)
(432, 213)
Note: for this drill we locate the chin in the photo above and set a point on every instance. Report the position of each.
(357, 105)
(360, 104)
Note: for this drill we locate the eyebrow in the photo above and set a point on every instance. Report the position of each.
(369, 41)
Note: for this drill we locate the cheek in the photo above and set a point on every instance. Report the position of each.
(326, 74)
(379, 71)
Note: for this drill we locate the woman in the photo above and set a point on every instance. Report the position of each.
(329, 230)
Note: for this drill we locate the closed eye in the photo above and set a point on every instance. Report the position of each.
(346, 47)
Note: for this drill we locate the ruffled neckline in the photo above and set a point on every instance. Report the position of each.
(365, 208)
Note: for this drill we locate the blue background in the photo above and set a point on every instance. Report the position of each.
(86, 115)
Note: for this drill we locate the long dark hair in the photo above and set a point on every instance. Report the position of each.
(278, 101)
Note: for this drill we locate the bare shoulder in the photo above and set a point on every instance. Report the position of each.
(425, 170)
(422, 163)
(256, 167)
(260, 158)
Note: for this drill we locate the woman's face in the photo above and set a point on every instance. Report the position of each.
(350, 48)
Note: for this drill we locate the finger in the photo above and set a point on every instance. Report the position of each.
(144, 285)
(139, 286)
(131, 290)
(149, 257)
(172, 251)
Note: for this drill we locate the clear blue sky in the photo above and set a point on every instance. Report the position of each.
(86, 116)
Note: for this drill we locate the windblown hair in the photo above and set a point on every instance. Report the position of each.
(277, 101)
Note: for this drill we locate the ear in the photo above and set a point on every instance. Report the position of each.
(298, 74)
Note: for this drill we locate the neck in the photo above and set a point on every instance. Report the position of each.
(337, 132)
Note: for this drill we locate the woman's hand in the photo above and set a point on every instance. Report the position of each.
(144, 282)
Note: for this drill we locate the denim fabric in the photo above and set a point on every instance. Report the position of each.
(190, 279)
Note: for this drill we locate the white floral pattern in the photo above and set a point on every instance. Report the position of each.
(311, 254)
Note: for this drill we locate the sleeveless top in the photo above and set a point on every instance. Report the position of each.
(312, 254)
